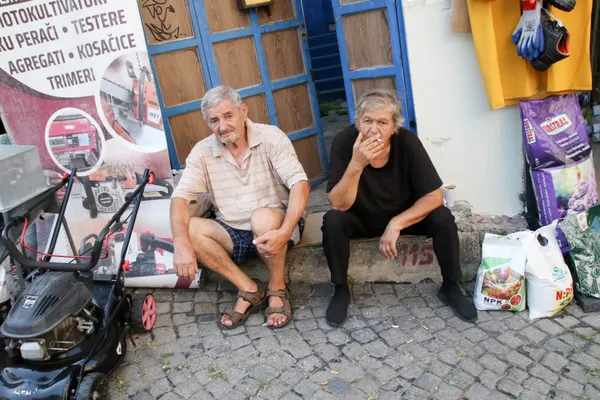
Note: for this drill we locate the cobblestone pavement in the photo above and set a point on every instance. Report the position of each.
(399, 342)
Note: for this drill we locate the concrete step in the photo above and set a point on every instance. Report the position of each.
(416, 261)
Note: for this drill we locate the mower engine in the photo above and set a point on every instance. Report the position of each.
(52, 316)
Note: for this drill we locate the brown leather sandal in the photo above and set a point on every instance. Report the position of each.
(256, 299)
(286, 309)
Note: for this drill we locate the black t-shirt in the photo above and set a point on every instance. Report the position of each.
(387, 191)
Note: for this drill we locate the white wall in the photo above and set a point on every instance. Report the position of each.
(477, 149)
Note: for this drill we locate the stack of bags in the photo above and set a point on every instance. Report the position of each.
(559, 154)
(524, 269)
(528, 268)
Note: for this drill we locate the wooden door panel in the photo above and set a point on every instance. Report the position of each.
(238, 64)
(368, 41)
(307, 150)
(166, 20)
(281, 10)
(223, 15)
(187, 130)
(283, 53)
(257, 109)
(180, 76)
(359, 86)
(294, 111)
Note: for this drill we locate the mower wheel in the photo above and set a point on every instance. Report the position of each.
(143, 312)
(93, 386)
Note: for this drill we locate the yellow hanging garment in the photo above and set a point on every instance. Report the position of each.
(509, 78)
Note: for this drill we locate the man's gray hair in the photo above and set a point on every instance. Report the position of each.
(377, 98)
(216, 95)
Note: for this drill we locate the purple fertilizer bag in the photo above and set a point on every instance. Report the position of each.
(565, 190)
(554, 131)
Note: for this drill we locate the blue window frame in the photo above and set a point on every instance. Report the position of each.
(398, 70)
(203, 41)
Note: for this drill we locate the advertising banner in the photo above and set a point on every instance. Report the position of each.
(76, 81)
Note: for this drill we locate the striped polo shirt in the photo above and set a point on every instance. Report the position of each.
(269, 170)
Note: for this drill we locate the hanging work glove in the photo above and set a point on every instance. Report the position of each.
(528, 35)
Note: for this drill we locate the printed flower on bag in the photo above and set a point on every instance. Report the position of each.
(575, 189)
(558, 274)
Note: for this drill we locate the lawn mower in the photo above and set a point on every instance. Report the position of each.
(67, 329)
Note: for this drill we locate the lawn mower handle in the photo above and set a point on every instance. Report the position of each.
(96, 249)
(158, 182)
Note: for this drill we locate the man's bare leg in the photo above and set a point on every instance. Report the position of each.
(214, 250)
(262, 221)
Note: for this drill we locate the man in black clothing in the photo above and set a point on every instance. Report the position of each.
(383, 183)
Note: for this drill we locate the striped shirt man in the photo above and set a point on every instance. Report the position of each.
(269, 169)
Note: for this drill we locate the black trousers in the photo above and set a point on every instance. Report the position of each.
(339, 227)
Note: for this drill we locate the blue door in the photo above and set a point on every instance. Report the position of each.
(262, 53)
(373, 51)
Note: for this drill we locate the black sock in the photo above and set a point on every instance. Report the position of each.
(338, 306)
(461, 304)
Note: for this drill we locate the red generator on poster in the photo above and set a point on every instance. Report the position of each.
(74, 141)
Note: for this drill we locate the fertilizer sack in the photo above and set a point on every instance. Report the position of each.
(582, 231)
(565, 190)
(554, 131)
(549, 281)
(501, 275)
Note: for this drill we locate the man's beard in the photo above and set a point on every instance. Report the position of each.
(231, 137)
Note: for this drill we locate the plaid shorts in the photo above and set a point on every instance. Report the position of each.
(242, 241)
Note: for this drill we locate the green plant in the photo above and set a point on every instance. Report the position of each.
(581, 335)
(216, 374)
(165, 364)
(121, 384)
(592, 372)
(373, 396)
(340, 107)
(578, 349)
